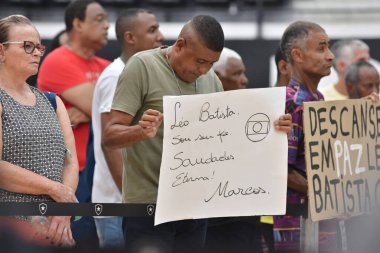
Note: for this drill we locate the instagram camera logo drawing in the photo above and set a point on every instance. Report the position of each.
(257, 127)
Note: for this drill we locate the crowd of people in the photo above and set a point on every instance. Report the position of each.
(92, 130)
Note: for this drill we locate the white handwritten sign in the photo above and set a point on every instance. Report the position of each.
(222, 156)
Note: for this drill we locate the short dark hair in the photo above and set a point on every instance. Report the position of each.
(352, 75)
(76, 9)
(209, 31)
(125, 21)
(279, 56)
(8, 22)
(295, 36)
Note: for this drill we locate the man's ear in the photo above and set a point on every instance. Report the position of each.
(283, 67)
(180, 44)
(77, 24)
(129, 38)
(296, 55)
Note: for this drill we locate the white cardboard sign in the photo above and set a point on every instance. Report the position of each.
(222, 156)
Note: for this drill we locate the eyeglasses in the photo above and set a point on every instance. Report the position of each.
(29, 46)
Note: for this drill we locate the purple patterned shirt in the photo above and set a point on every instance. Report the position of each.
(296, 94)
(286, 229)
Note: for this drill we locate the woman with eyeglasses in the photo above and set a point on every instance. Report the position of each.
(37, 152)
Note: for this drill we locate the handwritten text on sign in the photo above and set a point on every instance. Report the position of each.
(222, 156)
(343, 157)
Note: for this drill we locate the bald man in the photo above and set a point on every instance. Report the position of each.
(231, 70)
(135, 123)
(346, 52)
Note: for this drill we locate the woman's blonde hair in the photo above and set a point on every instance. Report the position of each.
(10, 21)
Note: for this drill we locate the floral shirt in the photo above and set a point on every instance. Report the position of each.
(286, 229)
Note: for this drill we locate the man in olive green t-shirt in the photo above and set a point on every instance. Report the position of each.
(135, 124)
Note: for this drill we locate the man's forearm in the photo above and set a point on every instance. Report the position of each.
(296, 181)
(119, 136)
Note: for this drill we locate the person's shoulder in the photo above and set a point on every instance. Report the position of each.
(290, 94)
(115, 67)
(144, 59)
(42, 93)
(290, 91)
(211, 80)
(102, 61)
(331, 93)
(112, 70)
(147, 55)
(210, 75)
(34, 89)
(293, 103)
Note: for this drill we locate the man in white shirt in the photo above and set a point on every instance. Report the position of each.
(136, 30)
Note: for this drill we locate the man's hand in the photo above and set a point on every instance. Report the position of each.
(374, 97)
(150, 122)
(296, 181)
(284, 123)
(77, 116)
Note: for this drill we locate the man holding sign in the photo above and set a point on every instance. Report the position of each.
(306, 48)
(136, 117)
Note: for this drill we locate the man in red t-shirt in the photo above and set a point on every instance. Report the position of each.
(72, 70)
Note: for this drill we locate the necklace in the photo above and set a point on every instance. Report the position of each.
(174, 75)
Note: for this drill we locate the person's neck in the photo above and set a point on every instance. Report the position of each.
(9, 81)
(170, 58)
(311, 83)
(126, 54)
(81, 50)
(340, 86)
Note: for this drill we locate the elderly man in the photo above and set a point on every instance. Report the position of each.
(346, 52)
(231, 70)
(306, 48)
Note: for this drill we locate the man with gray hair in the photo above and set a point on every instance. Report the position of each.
(231, 70)
(306, 48)
(346, 52)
